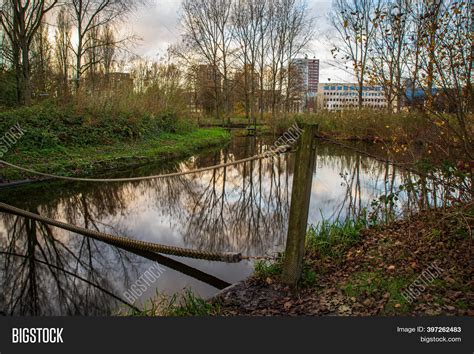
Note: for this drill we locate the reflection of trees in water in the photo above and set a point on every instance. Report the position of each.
(33, 288)
(366, 180)
(241, 208)
(360, 179)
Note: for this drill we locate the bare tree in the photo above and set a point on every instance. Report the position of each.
(207, 33)
(108, 50)
(250, 30)
(276, 43)
(353, 21)
(41, 62)
(89, 16)
(62, 48)
(21, 20)
(299, 32)
(389, 51)
(92, 57)
(451, 68)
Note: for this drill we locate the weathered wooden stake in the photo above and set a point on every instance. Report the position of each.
(299, 210)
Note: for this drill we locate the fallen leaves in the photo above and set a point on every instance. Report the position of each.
(398, 251)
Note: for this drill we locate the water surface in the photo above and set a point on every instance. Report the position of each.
(243, 208)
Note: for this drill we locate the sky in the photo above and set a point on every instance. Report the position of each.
(158, 25)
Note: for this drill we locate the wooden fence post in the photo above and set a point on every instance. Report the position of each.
(299, 210)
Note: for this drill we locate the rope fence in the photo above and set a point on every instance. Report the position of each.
(121, 241)
(279, 150)
(138, 245)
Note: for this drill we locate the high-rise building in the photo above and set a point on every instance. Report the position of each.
(308, 74)
(307, 81)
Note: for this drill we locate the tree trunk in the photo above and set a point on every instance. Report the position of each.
(26, 79)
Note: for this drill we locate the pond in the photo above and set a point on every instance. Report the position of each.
(243, 208)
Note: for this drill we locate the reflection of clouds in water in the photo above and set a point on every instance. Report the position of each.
(242, 208)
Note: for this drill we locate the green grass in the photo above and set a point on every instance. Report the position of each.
(265, 269)
(332, 239)
(186, 304)
(76, 140)
(86, 160)
(327, 239)
(369, 284)
(50, 126)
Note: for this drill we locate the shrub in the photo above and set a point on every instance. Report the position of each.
(49, 126)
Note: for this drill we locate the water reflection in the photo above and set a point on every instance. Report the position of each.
(242, 208)
(32, 287)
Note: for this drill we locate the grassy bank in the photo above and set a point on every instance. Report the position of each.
(351, 270)
(66, 142)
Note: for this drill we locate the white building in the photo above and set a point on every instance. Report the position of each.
(340, 96)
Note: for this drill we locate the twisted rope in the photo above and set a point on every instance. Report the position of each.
(121, 241)
(262, 156)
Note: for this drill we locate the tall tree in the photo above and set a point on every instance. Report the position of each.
(41, 62)
(250, 29)
(207, 33)
(88, 17)
(62, 49)
(299, 31)
(450, 68)
(21, 19)
(353, 22)
(389, 51)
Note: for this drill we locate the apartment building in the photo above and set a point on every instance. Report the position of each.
(307, 81)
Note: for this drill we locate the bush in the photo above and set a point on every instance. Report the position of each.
(50, 126)
(7, 88)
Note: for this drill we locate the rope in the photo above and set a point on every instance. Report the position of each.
(265, 155)
(121, 241)
(260, 258)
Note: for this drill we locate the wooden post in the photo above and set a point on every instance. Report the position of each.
(299, 210)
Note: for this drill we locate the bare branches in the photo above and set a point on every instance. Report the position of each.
(90, 17)
(353, 21)
(248, 47)
(20, 20)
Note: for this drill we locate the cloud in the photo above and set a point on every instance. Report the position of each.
(158, 26)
